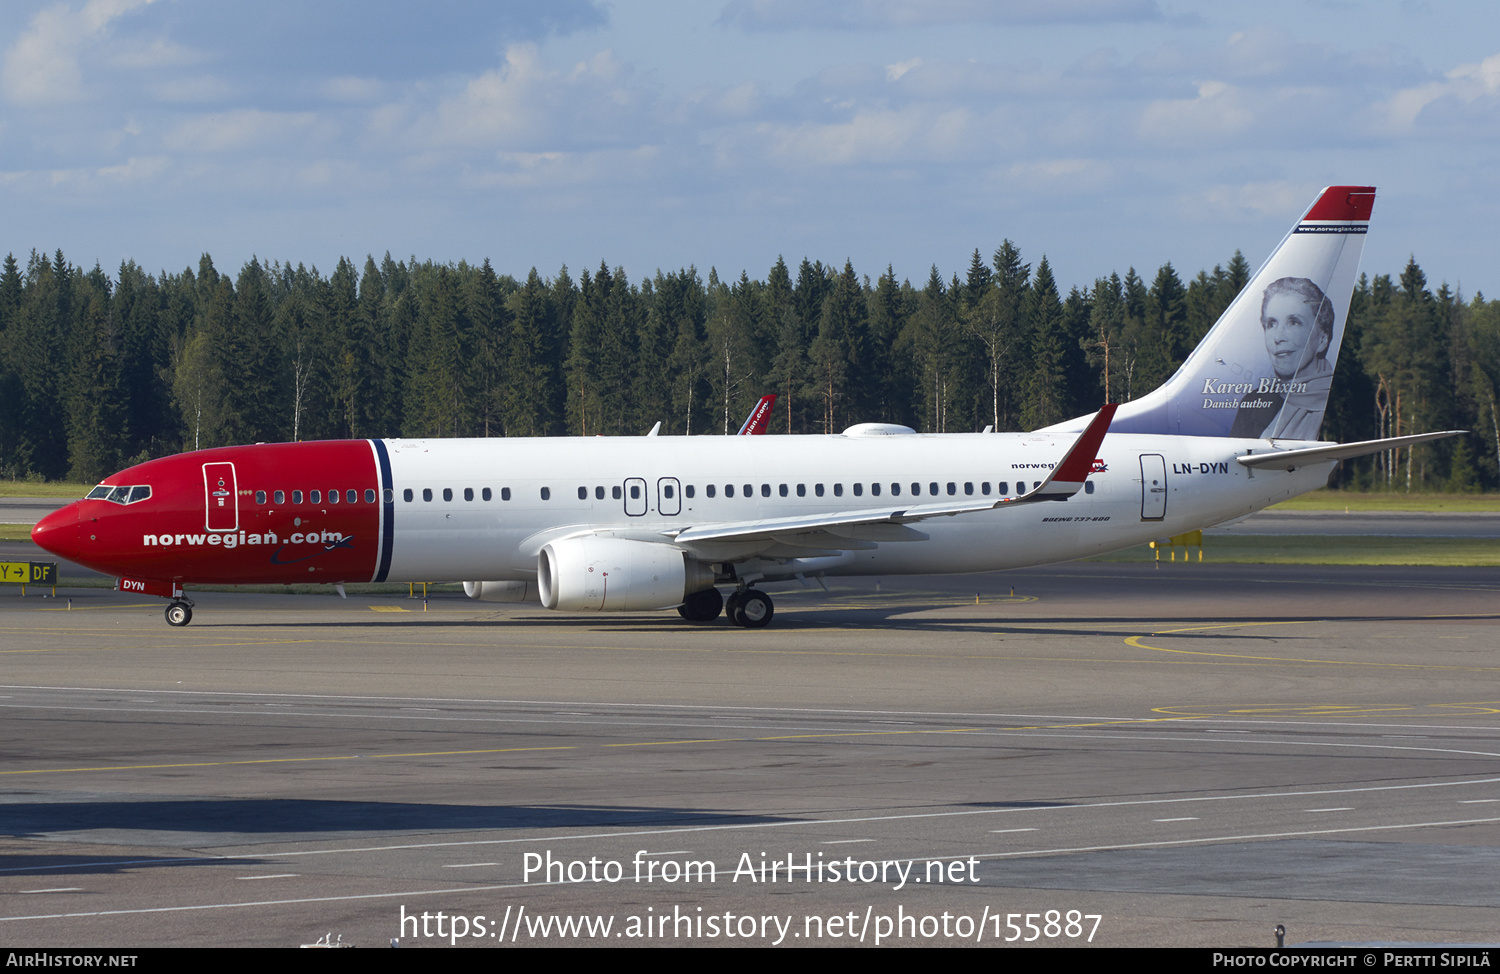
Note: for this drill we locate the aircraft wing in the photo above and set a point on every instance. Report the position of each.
(1065, 480)
(1292, 459)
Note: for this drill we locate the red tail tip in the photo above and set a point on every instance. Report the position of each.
(1343, 204)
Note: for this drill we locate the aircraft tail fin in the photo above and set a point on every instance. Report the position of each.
(760, 417)
(1265, 369)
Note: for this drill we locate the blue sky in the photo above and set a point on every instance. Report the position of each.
(1103, 133)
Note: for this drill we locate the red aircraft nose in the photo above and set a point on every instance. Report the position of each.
(57, 533)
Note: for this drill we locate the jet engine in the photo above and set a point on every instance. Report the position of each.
(616, 574)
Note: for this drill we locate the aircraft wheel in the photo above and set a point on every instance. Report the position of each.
(179, 614)
(753, 610)
(703, 606)
(732, 605)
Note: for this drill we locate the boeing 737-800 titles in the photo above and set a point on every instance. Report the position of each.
(640, 523)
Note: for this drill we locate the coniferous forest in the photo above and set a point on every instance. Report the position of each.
(99, 372)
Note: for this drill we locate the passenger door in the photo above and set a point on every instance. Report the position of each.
(220, 497)
(1153, 487)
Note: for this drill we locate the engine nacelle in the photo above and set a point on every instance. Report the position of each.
(502, 591)
(616, 574)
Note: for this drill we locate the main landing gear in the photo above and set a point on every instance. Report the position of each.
(748, 608)
(180, 612)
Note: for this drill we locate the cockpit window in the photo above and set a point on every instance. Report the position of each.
(124, 494)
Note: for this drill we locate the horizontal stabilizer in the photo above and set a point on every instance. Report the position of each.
(1292, 459)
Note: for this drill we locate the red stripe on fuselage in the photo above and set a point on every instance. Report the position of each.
(167, 536)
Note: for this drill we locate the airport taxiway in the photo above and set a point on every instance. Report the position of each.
(1192, 753)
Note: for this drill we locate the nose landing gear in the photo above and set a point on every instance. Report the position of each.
(180, 612)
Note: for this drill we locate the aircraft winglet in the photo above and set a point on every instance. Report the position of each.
(1067, 478)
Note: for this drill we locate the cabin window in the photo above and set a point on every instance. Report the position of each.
(689, 490)
(333, 497)
(875, 490)
(635, 492)
(390, 496)
(984, 488)
(447, 493)
(710, 490)
(296, 497)
(838, 490)
(859, 490)
(1003, 487)
(598, 493)
(583, 493)
(667, 491)
(749, 490)
(352, 496)
(765, 490)
(932, 489)
(546, 493)
(505, 493)
(369, 495)
(279, 497)
(486, 494)
(260, 497)
(729, 490)
(952, 488)
(801, 490)
(818, 489)
(782, 490)
(315, 496)
(427, 493)
(406, 495)
(468, 493)
(616, 493)
(968, 488)
(1088, 486)
(895, 490)
(916, 489)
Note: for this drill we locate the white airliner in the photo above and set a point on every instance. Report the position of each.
(660, 522)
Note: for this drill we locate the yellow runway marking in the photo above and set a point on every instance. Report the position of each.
(342, 757)
(442, 754)
(1245, 659)
(795, 737)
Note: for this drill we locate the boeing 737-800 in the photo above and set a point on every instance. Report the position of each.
(632, 523)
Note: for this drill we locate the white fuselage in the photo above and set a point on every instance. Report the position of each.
(654, 487)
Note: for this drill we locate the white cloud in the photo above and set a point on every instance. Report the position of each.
(893, 72)
(879, 137)
(42, 66)
(350, 89)
(526, 106)
(772, 15)
(136, 169)
(244, 129)
(155, 53)
(1466, 84)
(1249, 201)
(192, 89)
